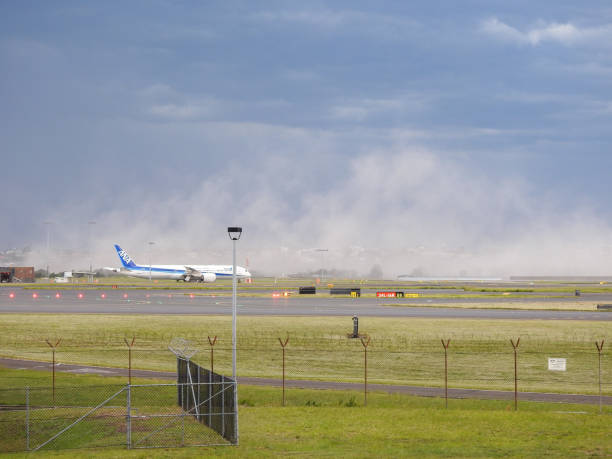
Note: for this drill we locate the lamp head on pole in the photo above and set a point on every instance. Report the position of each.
(234, 232)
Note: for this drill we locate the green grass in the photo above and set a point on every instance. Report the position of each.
(336, 424)
(533, 303)
(402, 350)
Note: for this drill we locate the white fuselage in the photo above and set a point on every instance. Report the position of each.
(180, 272)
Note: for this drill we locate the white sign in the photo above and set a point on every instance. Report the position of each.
(555, 364)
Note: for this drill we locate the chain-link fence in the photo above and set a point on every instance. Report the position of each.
(208, 402)
(478, 370)
(486, 368)
(471, 365)
(132, 416)
(156, 421)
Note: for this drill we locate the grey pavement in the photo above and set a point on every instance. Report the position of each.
(130, 301)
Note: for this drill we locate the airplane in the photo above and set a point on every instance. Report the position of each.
(186, 273)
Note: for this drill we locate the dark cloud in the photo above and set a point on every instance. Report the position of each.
(471, 140)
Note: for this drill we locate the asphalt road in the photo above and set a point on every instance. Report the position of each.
(131, 301)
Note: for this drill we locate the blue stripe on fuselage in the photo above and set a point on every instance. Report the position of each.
(146, 269)
(157, 270)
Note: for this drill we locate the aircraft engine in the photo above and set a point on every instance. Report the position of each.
(209, 277)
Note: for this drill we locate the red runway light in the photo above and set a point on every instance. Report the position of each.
(11, 295)
(148, 295)
(58, 295)
(191, 295)
(125, 295)
(275, 295)
(103, 296)
(34, 295)
(80, 295)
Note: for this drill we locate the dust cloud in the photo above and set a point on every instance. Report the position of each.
(389, 212)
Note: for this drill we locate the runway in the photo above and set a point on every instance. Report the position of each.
(180, 302)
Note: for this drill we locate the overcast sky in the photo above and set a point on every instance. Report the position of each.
(479, 128)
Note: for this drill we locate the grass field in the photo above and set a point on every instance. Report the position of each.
(402, 351)
(336, 424)
(524, 304)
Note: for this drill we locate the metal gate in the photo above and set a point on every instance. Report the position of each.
(70, 423)
(193, 421)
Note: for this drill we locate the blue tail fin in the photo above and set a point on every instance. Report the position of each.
(124, 257)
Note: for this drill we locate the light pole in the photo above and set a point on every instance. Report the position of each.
(234, 233)
(89, 226)
(150, 247)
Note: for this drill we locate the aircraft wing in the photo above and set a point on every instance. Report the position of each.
(192, 274)
(189, 271)
(115, 270)
(83, 273)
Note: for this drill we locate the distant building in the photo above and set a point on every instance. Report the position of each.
(17, 274)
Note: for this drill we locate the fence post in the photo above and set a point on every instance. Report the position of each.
(212, 353)
(446, 344)
(223, 405)
(129, 345)
(515, 346)
(53, 346)
(365, 379)
(283, 345)
(128, 417)
(28, 418)
(599, 349)
(183, 430)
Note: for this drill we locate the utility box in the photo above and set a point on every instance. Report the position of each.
(355, 327)
(577, 292)
(308, 290)
(345, 291)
